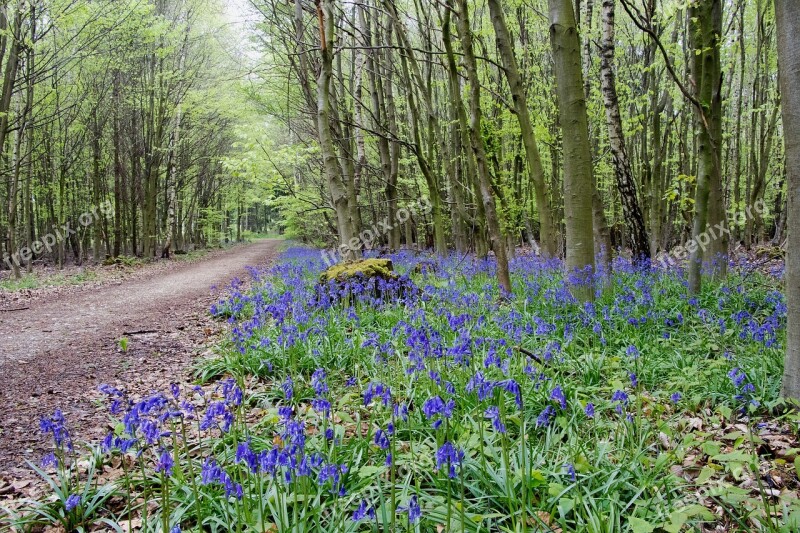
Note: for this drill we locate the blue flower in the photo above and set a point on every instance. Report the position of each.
(49, 460)
(377, 390)
(634, 380)
(676, 397)
(72, 502)
(288, 388)
(413, 509)
(558, 395)
(545, 417)
(381, 439)
(493, 414)
(589, 410)
(570, 471)
(165, 463)
(319, 382)
(450, 456)
(363, 511)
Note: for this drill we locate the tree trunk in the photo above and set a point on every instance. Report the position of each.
(479, 149)
(504, 44)
(333, 171)
(787, 15)
(706, 17)
(626, 185)
(577, 151)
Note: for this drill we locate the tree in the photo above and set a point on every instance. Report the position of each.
(577, 151)
(626, 185)
(787, 14)
(520, 101)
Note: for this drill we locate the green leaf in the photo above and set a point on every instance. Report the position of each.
(705, 475)
(641, 526)
(369, 471)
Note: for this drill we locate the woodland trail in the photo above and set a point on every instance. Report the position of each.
(54, 354)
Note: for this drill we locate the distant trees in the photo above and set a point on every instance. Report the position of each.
(484, 121)
(116, 102)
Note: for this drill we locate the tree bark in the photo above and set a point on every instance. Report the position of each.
(577, 151)
(626, 184)
(479, 149)
(787, 15)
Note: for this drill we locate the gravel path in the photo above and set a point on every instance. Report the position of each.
(55, 354)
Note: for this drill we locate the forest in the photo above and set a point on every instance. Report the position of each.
(539, 262)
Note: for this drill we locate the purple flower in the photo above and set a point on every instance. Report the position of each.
(558, 395)
(319, 381)
(165, 463)
(413, 509)
(570, 471)
(493, 414)
(634, 380)
(545, 417)
(676, 397)
(72, 502)
(589, 410)
(288, 388)
(381, 439)
(377, 390)
(449, 456)
(363, 511)
(49, 460)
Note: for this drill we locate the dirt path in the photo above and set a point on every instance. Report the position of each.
(57, 352)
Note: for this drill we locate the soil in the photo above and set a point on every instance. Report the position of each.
(59, 347)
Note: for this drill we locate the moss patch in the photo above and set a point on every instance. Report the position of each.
(367, 268)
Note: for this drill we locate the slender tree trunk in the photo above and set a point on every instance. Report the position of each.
(479, 149)
(333, 172)
(577, 150)
(787, 15)
(626, 184)
(706, 17)
(504, 44)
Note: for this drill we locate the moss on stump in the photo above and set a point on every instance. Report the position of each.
(366, 268)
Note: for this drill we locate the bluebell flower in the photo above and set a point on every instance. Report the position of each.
(211, 471)
(72, 502)
(165, 463)
(319, 381)
(49, 460)
(589, 410)
(675, 397)
(364, 511)
(545, 417)
(413, 509)
(634, 380)
(570, 471)
(288, 388)
(377, 390)
(558, 395)
(449, 456)
(493, 414)
(381, 439)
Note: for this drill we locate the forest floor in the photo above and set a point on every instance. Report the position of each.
(59, 347)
